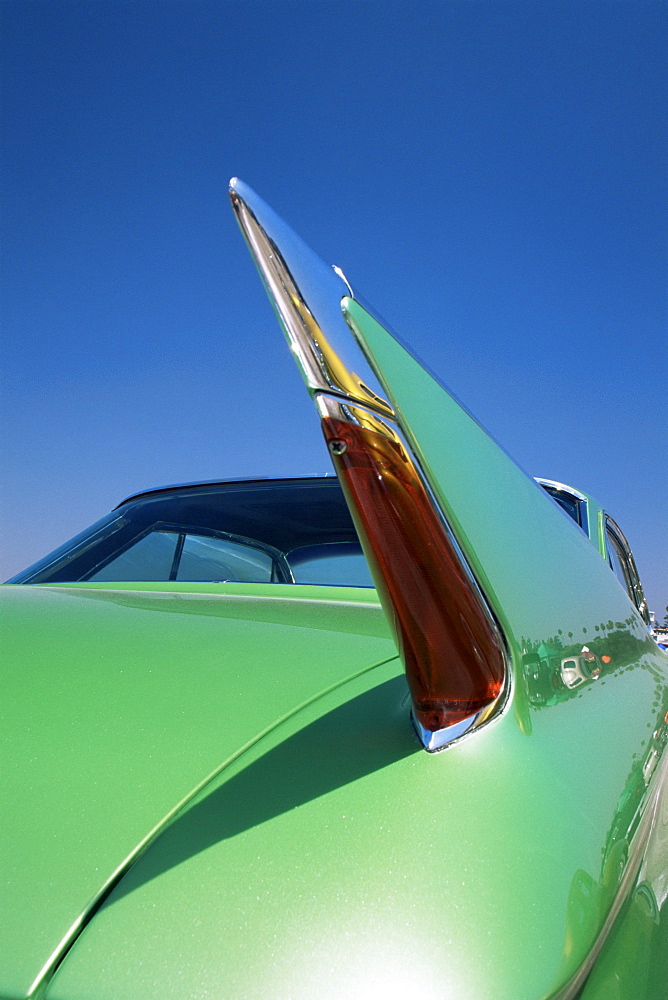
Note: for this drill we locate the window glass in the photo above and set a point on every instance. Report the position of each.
(209, 558)
(336, 564)
(243, 531)
(566, 501)
(569, 504)
(150, 559)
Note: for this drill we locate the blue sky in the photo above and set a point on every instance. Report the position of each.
(491, 176)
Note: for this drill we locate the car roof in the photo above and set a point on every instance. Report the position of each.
(327, 478)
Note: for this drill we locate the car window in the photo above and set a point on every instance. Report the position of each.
(238, 531)
(575, 507)
(330, 564)
(208, 558)
(567, 503)
(170, 555)
(149, 559)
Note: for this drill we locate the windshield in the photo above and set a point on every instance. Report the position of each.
(280, 531)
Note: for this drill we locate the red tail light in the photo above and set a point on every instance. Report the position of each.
(446, 635)
(453, 658)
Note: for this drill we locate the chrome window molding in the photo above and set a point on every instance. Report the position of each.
(633, 584)
(562, 487)
(307, 295)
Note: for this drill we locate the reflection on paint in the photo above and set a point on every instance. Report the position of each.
(554, 668)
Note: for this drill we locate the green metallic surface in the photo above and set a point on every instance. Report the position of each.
(117, 705)
(537, 569)
(596, 526)
(299, 842)
(335, 858)
(600, 532)
(548, 589)
(634, 961)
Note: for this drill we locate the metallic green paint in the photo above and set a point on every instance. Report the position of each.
(545, 583)
(596, 526)
(299, 842)
(118, 704)
(336, 859)
(534, 564)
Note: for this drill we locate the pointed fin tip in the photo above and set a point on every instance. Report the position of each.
(233, 191)
(239, 192)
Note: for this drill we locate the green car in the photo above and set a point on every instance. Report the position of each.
(397, 733)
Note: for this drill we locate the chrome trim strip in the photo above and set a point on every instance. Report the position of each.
(307, 294)
(637, 593)
(195, 484)
(337, 270)
(433, 741)
(560, 486)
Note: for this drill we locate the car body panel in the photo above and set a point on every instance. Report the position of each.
(313, 848)
(634, 958)
(336, 858)
(142, 696)
(548, 588)
(537, 570)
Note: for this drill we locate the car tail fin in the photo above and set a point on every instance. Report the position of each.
(474, 564)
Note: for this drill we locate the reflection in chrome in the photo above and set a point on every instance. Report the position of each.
(307, 294)
(443, 737)
(433, 741)
(359, 416)
(337, 270)
(572, 672)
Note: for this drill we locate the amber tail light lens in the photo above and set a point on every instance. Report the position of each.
(451, 651)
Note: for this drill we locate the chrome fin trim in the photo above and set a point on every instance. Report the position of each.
(309, 298)
(307, 294)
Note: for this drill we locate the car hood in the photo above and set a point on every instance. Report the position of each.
(142, 698)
